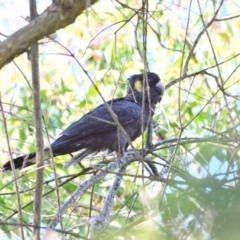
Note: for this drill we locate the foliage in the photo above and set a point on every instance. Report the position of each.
(193, 46)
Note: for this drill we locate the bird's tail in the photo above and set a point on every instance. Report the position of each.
(24, 161)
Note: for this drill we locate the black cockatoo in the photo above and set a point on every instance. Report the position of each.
(97, 131)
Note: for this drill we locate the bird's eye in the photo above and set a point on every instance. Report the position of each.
(155, 81)
(150, 80)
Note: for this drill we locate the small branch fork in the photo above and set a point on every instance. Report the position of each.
(103, 218)
(58, 15)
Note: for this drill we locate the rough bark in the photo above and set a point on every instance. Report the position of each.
(58, 15)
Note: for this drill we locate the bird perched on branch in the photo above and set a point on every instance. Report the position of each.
(111, 126)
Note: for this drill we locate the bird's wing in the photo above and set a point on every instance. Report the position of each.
(99, 121)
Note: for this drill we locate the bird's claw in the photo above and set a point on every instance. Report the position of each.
(150, 148)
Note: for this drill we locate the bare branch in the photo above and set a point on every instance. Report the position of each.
(99, 222)
(126, 159)
(14, 176)
(198, 38)
(56, 16)
(38, 130)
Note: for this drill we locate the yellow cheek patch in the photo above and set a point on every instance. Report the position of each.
(138, 86)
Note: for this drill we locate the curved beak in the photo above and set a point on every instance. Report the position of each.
(160, 87)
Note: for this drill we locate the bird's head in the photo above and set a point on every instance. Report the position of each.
(147, 86)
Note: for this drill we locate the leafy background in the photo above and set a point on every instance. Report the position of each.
(196, 53)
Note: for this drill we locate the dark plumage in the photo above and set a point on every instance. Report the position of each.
(96, 131)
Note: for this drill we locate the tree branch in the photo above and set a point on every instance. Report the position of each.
(38, 130)
(126, 159)
(101, 221)
(57, 15)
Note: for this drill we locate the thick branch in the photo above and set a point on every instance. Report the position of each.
(56, 16)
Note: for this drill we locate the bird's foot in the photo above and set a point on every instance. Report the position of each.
(150, 148)
(129, 151)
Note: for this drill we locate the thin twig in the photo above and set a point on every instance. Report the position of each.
(198, 38)
(37, 210)
(126, 159)
(14, 176)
